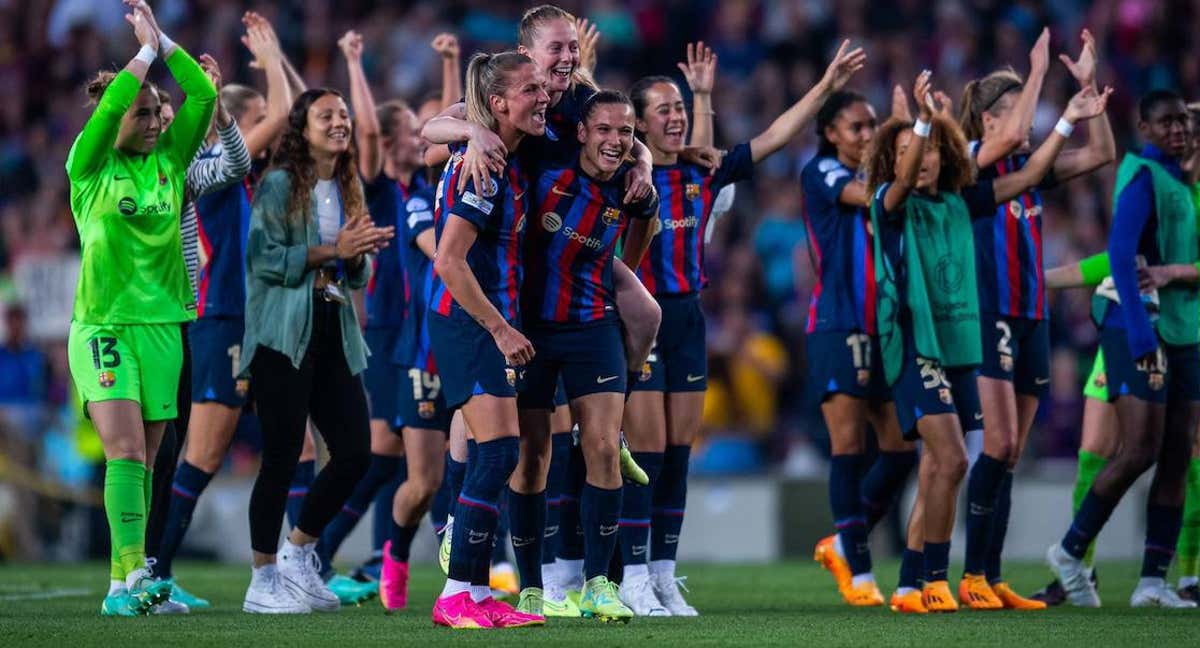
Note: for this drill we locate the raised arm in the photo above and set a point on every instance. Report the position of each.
(785, 127)
(1015, 129)
(1101, 148)
(206, 173)
(446, 45)
(1086, 104)
(366, 123)
(700, 72)
(99, 134)
(910, 159)
(260, 39)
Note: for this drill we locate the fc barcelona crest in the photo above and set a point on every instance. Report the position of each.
(511, 376)
(108, 378)
(944, 395)
(692, 191)
(610, 216)
(645, 375)
(864, 377)
(1006, 362)
(426, 410)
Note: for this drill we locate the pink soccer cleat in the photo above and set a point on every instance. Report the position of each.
(504, 615)
(460, 612)
(393, 581)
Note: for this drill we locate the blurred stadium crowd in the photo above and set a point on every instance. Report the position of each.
(759, 409)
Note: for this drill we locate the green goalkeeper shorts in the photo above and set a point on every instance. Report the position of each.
(137, 362)
(1097, 384)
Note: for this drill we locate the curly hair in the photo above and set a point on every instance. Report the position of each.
(956, 172)
(295, 158)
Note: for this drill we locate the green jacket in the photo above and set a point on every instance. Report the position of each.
(279, 286)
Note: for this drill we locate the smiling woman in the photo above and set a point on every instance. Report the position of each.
(307, 246)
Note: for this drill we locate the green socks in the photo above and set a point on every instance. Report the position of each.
(1090, 465)
(125, 495)
(1188, 549)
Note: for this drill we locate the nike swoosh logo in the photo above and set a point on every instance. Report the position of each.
(519, 196)
(639, 550)
(118, 178)
(1041, 381)
(521, 542)
(692, 379)
(978, 416)
(608, 530)
(559, 192)
(601, 381)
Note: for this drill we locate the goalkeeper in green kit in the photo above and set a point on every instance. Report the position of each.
(127, 184)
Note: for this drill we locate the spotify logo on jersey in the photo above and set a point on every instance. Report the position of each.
(127, 206)
(551, 222)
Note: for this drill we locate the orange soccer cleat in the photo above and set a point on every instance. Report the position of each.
(826, 554)
(975, 593)
(909, 603)
(937, 597)
(1013, 601)
(865, 595)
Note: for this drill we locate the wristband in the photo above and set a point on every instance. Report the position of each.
(1064, 127)
(165, 45)
(146, 55)
(922, 128)
(1094, 269)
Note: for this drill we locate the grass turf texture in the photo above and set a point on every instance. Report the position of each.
(779, 604)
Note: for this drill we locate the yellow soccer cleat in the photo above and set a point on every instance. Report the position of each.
(909, 603)
(629, 466)
(975, 593)
(937, 597)
(865, 595)
(826, 554)
(1013, 601)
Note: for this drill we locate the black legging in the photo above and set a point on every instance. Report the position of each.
(285, 397)
(168, 454)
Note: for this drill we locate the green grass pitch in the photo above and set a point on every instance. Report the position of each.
(780, 604)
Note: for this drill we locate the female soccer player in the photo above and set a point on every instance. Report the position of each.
(996, 114)
(664, 411)
(842, 344)
(127, 182)
(473, 317)
(307, 245)
(927, 304)
(1152, 366)
(220, 217)
(570, 315)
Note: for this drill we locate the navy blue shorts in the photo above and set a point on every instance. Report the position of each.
(469, 363)
(846, 362)
(925, 388)
(589, 360)
(216, 345)
(1147, 381)
(679, 360)
(1016, 349)
(419, 401)
(382, 375)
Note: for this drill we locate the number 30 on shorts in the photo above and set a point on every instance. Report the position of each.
(426, 386)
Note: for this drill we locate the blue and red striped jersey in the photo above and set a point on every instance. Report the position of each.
(387, 291)
(498, 214)
(1008, 248)
(674, 264)
(223, 224)
(841, 248)
(413, 349)
(569, 251)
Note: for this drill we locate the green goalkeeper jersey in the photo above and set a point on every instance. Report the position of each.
(126, 207)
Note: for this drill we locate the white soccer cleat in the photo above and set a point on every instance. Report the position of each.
(1073, 575)
(666, 588)
(637, 593)
(1158, 595)
(170, 606)
(267, 595)
(300, 572)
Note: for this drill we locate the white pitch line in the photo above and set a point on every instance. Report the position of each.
(48, 594)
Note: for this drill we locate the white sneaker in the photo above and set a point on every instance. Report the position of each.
(300, 572)
(637, 593)
(1158, 595)
(1073, 575)
(267, 595)
(170, 606)
(666, 588)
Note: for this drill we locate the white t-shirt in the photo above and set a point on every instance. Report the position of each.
(329, 211)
